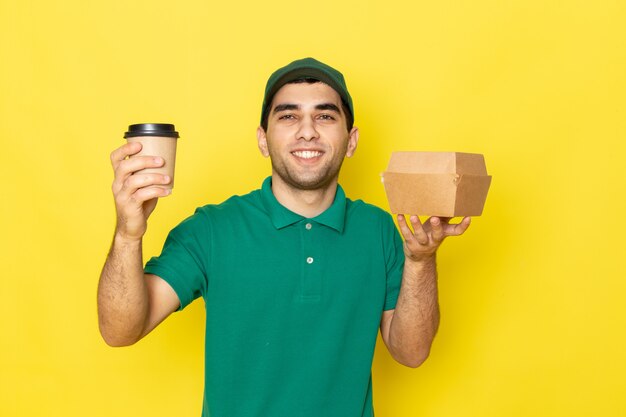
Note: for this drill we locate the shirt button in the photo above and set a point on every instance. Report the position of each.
(308, 226)
(309, 260)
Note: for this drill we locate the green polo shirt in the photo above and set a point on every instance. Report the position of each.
(293, 305)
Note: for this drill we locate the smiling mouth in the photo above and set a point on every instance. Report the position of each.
(307, 154)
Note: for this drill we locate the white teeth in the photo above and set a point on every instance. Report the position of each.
(307, 154)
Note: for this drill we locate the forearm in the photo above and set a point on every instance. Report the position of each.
(416, 316)
(123, 302)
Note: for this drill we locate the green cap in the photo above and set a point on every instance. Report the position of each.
(307, 68)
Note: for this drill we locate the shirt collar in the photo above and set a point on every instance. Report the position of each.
(333, 217)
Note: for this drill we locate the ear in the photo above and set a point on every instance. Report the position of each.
(262, 141)
(353, 141)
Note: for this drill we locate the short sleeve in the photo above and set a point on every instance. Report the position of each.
(394, 261)
(184, 258)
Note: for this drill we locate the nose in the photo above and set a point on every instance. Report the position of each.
(306, 130)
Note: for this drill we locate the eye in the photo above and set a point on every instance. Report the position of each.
(326, 116)
(287, 117)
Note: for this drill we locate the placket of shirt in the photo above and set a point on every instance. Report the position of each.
(311, 261)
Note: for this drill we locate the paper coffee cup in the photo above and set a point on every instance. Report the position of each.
(157, 139)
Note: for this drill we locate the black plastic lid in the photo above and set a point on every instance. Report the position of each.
(151, 129)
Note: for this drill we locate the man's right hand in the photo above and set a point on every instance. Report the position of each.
(135, 198)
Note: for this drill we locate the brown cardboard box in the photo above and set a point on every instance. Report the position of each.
(445, 184)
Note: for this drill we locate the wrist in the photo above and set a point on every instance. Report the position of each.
(419, 267)
(418, 270)
(421, 260)
(123, 239)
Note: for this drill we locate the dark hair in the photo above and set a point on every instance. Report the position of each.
(309, 80)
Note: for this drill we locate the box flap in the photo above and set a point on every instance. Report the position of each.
(470, 163)
(422, 162)
(471, 194)
(437, 163)
(422, 194)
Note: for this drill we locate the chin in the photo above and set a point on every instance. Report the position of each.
(299, 179)
(309, 183)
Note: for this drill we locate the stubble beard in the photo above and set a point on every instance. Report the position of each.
(308, 180)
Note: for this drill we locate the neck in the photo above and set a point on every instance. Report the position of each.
(307, 203)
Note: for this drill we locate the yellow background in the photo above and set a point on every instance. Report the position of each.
(532, 298)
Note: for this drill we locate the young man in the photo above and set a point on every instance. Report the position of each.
(296, 278)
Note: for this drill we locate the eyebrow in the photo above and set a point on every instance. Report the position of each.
(284, 107)
(327, 106)
(288, 106)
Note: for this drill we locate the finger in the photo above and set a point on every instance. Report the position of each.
(137, 181)
(130, 166)
(132, 202)
(148, 193)
(436, 229)
(418, 229)
(137, 163)
(123, 152)
(404, 228)
(459, 229)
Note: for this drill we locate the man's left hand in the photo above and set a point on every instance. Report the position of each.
(423, 241)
